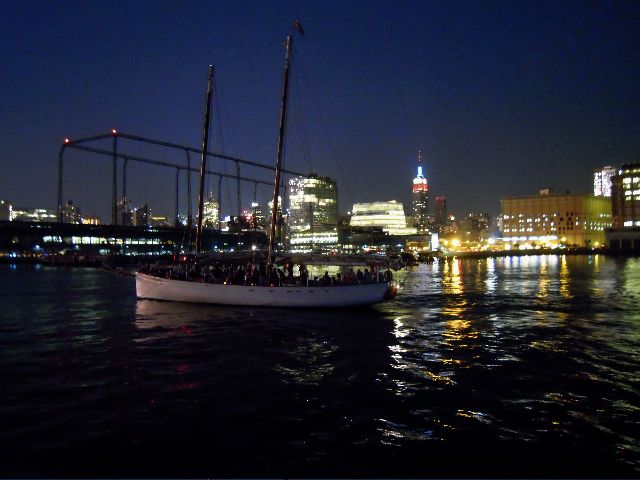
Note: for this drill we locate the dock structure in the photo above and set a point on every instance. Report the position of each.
(118, 156)
(36, 239)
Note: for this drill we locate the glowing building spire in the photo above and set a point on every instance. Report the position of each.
(420, 199)
(420, 182)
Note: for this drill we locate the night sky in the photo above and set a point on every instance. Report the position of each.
(503, 98)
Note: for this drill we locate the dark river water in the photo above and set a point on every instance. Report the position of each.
(507, 367)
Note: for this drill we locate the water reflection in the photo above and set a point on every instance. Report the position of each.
(564, 279)
(631, 275)
(474, 356)
(452, 277)
(543, 289)
(155, 314)
(492, 278)
(309, 362)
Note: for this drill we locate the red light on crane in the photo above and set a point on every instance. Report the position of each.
(66, 140)
(114, 131)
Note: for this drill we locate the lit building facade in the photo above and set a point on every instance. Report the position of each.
(550, 219)
(420, 199)
(91, 220)
(625, 205)
(5, 210)
(625, 199)
(210, 213)
(182, 219)
(257, 220)
(476, 226)
(141, 216)
(71, 213)
(159, 221)
(19, 239)
(313, 214)
(602, 181)
(387, 215)
(33, 215)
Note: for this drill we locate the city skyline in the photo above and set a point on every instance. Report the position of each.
(211, 205)
(501, 99)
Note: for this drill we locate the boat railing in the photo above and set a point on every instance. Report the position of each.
(273, 278)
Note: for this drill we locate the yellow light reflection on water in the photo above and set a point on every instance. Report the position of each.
(452, 278)
(459, 330)
(434, 377)
(543, 283)
(564, 278)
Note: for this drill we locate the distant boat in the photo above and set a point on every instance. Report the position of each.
(159, 287)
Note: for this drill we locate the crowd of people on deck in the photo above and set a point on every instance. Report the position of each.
(266, 275)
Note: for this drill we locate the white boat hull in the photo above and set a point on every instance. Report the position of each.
(157, 288)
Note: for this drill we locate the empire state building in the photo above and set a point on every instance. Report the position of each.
(420, 200)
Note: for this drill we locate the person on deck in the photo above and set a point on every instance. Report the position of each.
(289, 268)
(304, 275)
(388, 276)
(351, 277)
(367, 276)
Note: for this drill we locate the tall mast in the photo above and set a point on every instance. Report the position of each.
(203, 162)
(276, 181)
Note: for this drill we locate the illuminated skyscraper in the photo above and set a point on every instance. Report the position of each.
(141, 216)
(210, 213)
(420, 200)
(70, 213)
(602, 181)
(313, 214)
(257, 220)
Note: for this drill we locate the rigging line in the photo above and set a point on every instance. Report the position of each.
(218, 109)
(265, 47)
(212, 131)
(299, 112)
(330, 142)
(283, 195)
(227, 197)
(221, 126)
